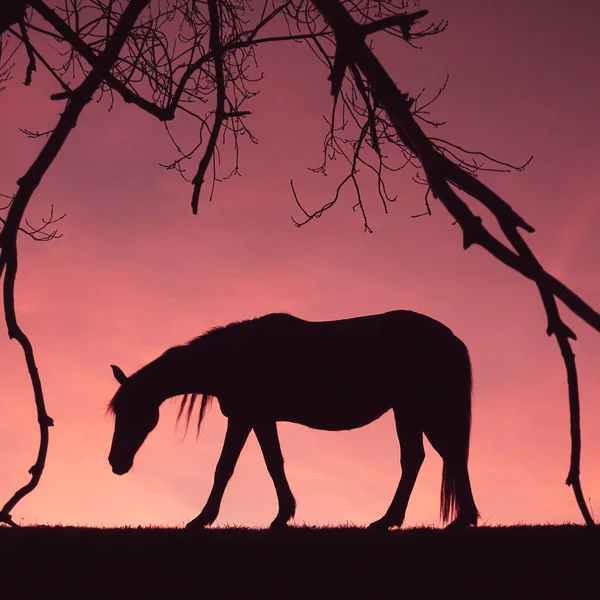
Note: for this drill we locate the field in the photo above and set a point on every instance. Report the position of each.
(488, 562)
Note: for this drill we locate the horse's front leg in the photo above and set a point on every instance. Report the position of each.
(235, 438)
(266, 434)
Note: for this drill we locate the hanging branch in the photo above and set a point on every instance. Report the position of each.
(108, 50)
(440, 172)
(8, 236)
(215, 48)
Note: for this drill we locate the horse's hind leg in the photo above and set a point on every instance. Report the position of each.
(266, 434)
(455, 464)
(412, 454)
(467, 511)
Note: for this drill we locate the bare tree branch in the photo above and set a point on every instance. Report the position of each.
(216, 49)
(8, 236)
(11, 13)
(440, 172)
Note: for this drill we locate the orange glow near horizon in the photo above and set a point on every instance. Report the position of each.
(137, 273)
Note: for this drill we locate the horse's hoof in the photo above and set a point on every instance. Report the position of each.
(196, 525)
(458, 524)
(278, 525)
(379, 525)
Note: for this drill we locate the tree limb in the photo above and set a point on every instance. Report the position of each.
(216, 50)
(440, 171)
(8, 236)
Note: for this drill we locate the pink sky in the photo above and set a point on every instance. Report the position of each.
(136, 273)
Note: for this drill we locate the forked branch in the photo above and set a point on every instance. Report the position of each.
(440, 173)
(8, 236)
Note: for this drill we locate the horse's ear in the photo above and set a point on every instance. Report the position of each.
(119, 375)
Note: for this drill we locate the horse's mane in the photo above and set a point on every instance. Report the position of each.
(204, 404)
(210, 334)
(206, 398)
(188, 400)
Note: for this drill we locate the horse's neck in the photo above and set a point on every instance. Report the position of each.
(184, 370)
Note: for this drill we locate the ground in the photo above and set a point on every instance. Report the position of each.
(309, 563)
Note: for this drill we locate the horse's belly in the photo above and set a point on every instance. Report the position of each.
(333, 385)
(331, 413)
(327, 422)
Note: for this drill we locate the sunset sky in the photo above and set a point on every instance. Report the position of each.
(136, 273)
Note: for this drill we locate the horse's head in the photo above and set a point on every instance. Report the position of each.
(136, 415)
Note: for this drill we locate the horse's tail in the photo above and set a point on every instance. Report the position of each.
(459, 427)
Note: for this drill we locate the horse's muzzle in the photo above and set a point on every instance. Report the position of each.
(120, 469)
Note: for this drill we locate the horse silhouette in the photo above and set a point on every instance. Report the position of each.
(329, 375)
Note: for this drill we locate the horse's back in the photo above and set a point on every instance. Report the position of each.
(336, 374)
(404, 322)
(374, 342)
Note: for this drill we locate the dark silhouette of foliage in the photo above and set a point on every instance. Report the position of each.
(191, 60)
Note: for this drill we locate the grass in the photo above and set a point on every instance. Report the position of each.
(304, 562)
